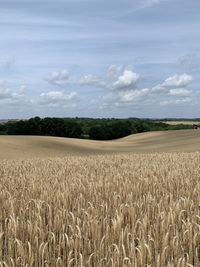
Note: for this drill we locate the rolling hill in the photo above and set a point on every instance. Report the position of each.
(14, 147)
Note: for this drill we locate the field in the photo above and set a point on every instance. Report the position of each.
(15, 147)
(78, 208)
(181, 122)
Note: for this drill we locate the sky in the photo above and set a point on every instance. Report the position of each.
(99, 58)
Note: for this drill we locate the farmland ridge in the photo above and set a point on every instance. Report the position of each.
(14, 147)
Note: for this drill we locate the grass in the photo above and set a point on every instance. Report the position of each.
(106, 211)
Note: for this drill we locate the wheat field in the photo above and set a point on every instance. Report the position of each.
(101, 211)
(22, 147)
(185, 122)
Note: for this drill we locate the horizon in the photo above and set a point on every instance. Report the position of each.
(75, 58)
(110, 118)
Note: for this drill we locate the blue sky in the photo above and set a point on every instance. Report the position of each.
(98, 58)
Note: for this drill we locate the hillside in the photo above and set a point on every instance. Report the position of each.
(14, 147)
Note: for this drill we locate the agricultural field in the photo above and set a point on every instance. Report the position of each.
(181, 122)
(15, 147)
(97, 204)
(110, 210)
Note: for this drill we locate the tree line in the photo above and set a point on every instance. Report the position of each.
(97, 129)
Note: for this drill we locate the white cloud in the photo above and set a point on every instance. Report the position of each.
(179, 92)
(127, 80)
(58, 78)
(125, 98)
(20, 94)
(176, 102)
(158, 88)
(115, 79)
(123, 91)
(126, 92)
(56, 98)
(91, 80)
(133, 95)
(173, 82)
(113, 72)
(178, 81)
(13, 97)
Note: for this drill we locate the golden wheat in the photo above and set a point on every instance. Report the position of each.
(101, 211)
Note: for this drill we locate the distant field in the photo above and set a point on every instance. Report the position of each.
(15, 147)
(101, 211)
(182, 122)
